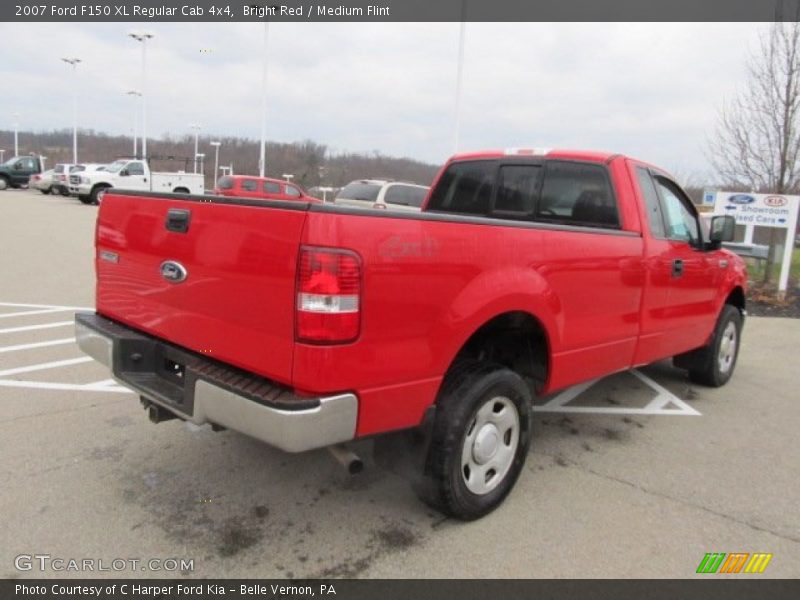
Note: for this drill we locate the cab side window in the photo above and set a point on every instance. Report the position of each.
(249, 185)
(292, 191)
(653, 206)
(135, 168)
(679, 219)
(270, 187)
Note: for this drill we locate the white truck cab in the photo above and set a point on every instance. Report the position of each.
(132, 174)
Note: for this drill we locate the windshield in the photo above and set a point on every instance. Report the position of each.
(359, 191)
(116, 166)
(10, 161)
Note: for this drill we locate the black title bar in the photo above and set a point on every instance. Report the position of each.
(388, 589)
(399, 10)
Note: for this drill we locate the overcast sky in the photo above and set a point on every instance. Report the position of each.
(649, 90)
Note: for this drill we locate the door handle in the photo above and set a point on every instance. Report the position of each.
(677, 267)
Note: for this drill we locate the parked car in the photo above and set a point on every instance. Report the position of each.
(16, 172)
(265, 188)
(134, 175)
(381, 193)
(526, 272)
(42, 182)
(61, 178)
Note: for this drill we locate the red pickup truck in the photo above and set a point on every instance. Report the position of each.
(308, 325)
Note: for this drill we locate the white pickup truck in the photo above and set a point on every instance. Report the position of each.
(130, 174)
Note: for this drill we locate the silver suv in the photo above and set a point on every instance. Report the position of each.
(382, 193)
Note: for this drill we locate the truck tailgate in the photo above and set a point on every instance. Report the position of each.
(236, 303)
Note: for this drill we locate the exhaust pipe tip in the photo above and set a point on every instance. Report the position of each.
(347, 458)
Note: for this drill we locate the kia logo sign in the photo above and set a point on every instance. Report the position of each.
(172, 271)
(775, 201)
(741, 199)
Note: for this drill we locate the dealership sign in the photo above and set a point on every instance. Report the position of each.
(760, 210)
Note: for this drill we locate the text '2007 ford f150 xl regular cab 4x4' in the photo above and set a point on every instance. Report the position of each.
(307, 325)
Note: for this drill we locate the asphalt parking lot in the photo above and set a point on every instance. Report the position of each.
(638, 475)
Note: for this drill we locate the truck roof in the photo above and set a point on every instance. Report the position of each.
(587, 155)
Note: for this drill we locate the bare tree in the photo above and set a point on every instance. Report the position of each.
(757, 140)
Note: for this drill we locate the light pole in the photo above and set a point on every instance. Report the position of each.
(2, 155)
(135, 95)
(288, 177)
(16, 133)
(262, 165)
(74, 63)
(225, 170)
(201, 156)
(459, 77)
(196, 127)
(216, 160)
(143, 36)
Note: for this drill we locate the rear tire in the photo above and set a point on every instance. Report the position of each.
(85, 199)
(713, 365)
(4, 184)
(480, 440)
(45, 192)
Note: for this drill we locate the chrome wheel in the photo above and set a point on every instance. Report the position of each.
(490, 445)
(727, 348)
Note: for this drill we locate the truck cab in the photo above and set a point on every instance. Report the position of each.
(17, 171)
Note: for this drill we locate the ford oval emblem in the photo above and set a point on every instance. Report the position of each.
(741, 199)
(173, 271)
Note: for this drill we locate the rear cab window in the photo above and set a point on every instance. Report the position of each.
(225, 183)
(552, 191)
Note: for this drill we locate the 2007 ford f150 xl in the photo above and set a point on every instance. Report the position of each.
(307, 325)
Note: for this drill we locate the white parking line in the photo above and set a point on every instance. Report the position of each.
(44, 366)
(665, 402)
(59, 306)
(45, 385)
(36, 345)
(33, 327)
(27, 313)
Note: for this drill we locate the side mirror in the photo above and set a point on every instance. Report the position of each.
(124, 173)
(723, 228)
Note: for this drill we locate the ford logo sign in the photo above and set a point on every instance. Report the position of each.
(173, 271)
(775, 201)
(741, 199)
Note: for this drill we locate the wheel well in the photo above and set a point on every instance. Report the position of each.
(180, 190)
(516, 340)
(736, 298)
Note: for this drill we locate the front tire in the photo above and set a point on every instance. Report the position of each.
(713, 365)
(4, 184)
(96, 197)
(480, 440)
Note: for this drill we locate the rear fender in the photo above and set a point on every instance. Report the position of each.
(508, 289)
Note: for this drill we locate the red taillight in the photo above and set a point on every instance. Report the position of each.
(328, 296)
